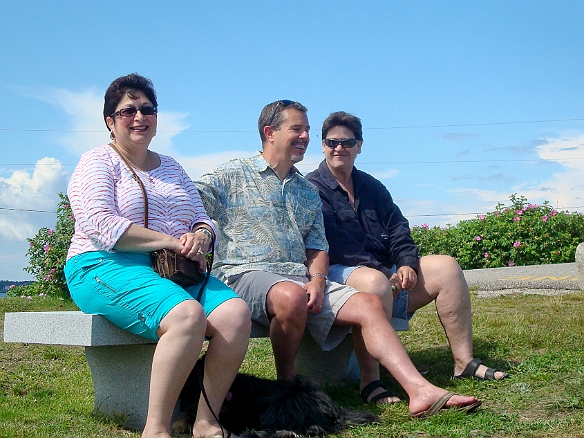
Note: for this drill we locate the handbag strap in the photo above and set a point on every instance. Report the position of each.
(209, 263)
(138, 180)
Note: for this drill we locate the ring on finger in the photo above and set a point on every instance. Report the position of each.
(393, 287)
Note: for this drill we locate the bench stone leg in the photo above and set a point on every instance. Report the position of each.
(331, 366)
(121, 380)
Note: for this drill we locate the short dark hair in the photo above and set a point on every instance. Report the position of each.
(272, 114)
(341, 118)
(128, 84)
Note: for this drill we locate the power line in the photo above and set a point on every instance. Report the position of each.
(449, 125)
(409, 216)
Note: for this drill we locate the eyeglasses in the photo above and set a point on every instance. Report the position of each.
(333, 142)
(283, 104)
(132, 111)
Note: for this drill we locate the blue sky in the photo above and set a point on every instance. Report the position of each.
(463, 103)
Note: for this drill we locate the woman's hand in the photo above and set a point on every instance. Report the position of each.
(195, 247)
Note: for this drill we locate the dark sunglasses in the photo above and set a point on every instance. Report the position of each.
(132, 111)
(281, 103)
(333, 142)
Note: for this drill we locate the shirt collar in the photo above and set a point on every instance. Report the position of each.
(261, 165)
(331, 181)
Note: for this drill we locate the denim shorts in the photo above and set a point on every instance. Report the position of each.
(123, 288)
(340, 273)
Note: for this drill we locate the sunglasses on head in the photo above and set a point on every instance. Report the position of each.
(281, 103)
(333, 142)
(132, 111)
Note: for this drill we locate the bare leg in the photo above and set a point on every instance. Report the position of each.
(286, 303)
(374, 282)
(364, 312)
(440, 279)
(181, 334)
(228, 328)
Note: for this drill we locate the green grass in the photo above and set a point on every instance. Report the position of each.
(46, 391)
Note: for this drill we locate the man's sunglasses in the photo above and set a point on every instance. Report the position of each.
(281, 103)
(333, 142)
(132, 111)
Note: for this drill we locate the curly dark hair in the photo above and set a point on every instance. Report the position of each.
(128, 84)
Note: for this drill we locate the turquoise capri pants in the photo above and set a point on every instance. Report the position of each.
(123, 288)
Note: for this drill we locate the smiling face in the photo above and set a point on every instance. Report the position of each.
(340, 158)
(292, 138)
(136, 130)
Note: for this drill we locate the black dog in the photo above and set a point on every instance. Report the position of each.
(261, 408)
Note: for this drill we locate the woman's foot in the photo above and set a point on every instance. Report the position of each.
(475, 368)
(375, 392)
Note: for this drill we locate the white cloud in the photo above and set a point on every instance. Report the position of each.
(20, 193)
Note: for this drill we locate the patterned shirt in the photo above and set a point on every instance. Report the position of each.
(106, 200)
(264, 223)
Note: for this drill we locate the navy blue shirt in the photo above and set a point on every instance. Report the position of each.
(374, 233)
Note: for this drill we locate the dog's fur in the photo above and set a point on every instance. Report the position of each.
(261, 408)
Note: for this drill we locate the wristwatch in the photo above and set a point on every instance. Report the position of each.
(206, 231)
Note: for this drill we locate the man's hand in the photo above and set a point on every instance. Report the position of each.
(407, 277)
(315, 294)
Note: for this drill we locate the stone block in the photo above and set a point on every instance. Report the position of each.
(580, 265)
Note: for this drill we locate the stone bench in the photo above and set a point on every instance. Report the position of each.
(120, 362)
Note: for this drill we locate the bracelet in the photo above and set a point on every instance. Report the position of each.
(204, 230)
(318, 274)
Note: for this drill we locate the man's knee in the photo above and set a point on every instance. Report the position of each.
(286, 298)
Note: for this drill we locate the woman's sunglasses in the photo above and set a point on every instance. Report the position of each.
(132, 111)
(333, 142)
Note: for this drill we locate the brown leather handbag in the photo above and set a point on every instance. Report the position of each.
(181, 270)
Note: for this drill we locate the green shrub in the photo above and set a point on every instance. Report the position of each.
(47, 252)
(517, 235)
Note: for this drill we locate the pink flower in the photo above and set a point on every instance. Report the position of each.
(48, 278)
(50, 232)
(544, 218)
(496, 213)
(532, 206)
(511, 263)
(486, 254)
(424, 225)
(478, 238)
(47, 248)
(519, 212)
(516, 244)
(30, 244)
(553, 213)
(516, 218)
(12, 286)
(482, 217)
(52, 271)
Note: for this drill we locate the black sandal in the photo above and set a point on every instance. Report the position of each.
(473, 366)
(366, 392)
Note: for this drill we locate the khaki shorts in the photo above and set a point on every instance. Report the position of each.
(253, 287)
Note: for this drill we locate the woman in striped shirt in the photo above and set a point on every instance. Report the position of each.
(108, 265)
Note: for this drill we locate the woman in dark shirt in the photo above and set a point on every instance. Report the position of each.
(371, 248)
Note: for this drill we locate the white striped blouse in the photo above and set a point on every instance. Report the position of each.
(106, 200)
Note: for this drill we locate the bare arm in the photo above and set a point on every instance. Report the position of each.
(317, 262)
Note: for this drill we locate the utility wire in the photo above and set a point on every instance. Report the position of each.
(450, 125)
(409, 216)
